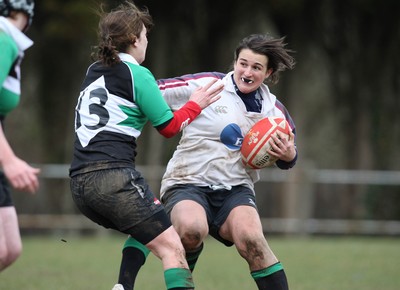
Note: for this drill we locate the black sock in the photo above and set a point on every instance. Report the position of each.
(134, 256)
(275, 281)
(271, 278)
(192, 257)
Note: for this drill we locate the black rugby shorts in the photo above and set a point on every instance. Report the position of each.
(5, 192)
(120, 199)
(216, 203)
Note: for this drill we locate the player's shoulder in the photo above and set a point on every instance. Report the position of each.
(140, 73)
(7, 43)
(136, 68)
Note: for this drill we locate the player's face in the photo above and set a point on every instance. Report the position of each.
(250, 70)
(141, 44)
(19, 19)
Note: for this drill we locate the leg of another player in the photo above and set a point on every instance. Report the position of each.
(243, 227)
(168, 248)
(190, 221)
(10, 238)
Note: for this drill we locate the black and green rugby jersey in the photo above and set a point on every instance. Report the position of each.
(113, 106)
(9, 97)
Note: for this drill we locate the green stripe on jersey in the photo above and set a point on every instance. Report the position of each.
(9, 99)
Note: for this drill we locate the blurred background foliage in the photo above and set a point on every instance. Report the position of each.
(344, 93)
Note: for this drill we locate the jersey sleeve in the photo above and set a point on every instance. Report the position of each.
(182, 117)
(8, 55)
(177, 91)
(148, 98)
(280, 163)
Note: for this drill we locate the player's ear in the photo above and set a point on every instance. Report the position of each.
(133, 39)
(268, 73)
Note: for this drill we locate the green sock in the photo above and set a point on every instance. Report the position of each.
(134, 255)
(131, 242)
(267, 271)
(178, 278)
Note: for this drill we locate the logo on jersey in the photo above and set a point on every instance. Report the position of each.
(232, 136)
(252, 202)
(221, 109)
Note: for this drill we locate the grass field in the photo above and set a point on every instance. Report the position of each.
(92, 263)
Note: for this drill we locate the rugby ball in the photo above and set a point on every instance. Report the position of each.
(258, 140)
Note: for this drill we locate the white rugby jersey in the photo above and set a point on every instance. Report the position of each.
(208, 153)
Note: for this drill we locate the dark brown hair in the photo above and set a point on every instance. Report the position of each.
(279, 58)
(118, 29)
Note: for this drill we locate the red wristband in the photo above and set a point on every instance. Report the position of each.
(183, 117)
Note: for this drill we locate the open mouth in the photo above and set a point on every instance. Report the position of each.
(247, 81)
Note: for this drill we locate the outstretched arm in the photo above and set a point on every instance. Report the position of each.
(200, 99)
(177, 90)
